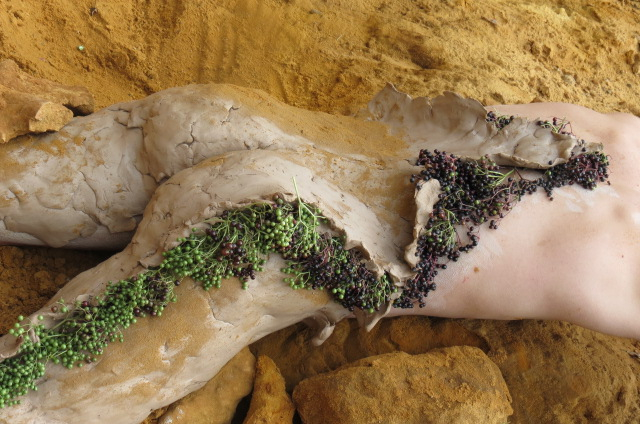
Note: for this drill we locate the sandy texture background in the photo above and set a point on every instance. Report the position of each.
(333, 56)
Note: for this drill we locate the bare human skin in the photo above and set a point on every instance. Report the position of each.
(574, 259)
(571, 259)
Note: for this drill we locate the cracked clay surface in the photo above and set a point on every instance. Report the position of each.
(217, 151)
(87, 185)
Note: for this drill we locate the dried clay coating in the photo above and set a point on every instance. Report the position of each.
(363, 196)
(87, 185)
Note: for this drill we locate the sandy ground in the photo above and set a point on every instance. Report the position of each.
(333, 55)
(316, 54)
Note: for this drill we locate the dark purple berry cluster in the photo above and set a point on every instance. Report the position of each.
(477, 192)
(342, 272)
(500, 121)
(585, 170)
(557, 125)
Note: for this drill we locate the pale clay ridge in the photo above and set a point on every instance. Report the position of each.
(138, 145)
(458, 125)
(94, 177)
(86, 185)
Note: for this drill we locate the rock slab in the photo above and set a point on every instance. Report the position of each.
(457, 384)
(216, 401)
(35, 105)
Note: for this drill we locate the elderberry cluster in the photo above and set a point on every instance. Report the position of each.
(557, 125)
(234, 244)
(475, 192)
(585, 170)
(83, 332)
(500, 121)
(342, 272)
(18, 375)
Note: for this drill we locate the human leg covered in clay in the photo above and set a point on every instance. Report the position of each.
(86, 185)
(547, 260)
(166, 358)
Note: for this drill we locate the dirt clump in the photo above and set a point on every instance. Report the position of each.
(455, 384)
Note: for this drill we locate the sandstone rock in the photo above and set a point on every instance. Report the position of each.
(216, 402)
(556, 372)
(270, 402)
(457, 384)
(297, 359)
(34, 105)
(561, 373)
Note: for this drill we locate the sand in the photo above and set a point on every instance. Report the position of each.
(331, 56)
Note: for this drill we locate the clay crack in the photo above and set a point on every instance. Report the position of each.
(228, 117)
(193, 139)
(15, 196)
(95, 192)
(212, 307)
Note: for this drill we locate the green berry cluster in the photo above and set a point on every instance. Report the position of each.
(19, 375)
(82, 332)
(234, 244)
